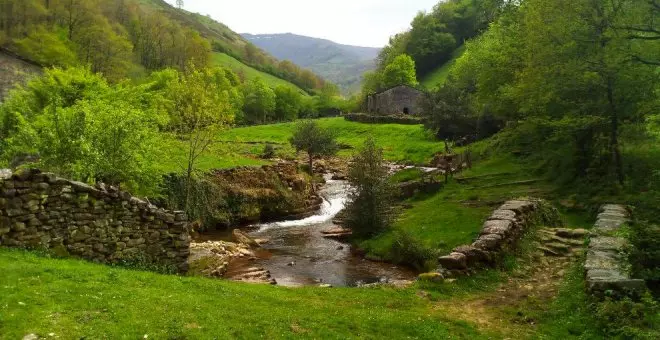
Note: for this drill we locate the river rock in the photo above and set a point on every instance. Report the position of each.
(242, 238)
(453, 261)
(338, 233)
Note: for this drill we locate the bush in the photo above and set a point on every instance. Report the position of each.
(269, 151)
(409, 251)
(645, 253)
(628, 319)
(206, 199)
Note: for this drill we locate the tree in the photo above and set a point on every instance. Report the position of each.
(570, 71)
(400, 72)
(369, 208)
(179, 3)
(202, 104)
(316, 141)
(288, 103)
(429, 45)
(259, 104)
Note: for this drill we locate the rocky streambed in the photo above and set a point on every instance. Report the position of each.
(307, 251)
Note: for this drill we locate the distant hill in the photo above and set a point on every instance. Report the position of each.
(128, 39)
(340, 64)
(226, 41)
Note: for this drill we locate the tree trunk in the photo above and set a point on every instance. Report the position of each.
(614, 134)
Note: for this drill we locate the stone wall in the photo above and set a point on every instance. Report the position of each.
(606, 267)
(14, 71)
(381, 119)
(396, 100)
(40, 210)
(499, 234)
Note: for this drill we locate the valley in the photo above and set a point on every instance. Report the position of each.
(490, 172)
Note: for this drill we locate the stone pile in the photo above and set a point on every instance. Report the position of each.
(103, 224)
(606, 267)
(500, 234)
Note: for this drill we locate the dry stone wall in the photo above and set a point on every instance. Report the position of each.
(40, 210)
(606, 267)
(499, 234)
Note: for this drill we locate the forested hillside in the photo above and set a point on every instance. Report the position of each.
(129, 38)
(434, 39)
(341, 64)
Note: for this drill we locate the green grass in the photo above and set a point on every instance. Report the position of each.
(76, 299)
(401, 143)
(218, 156)
(224, 60)
(454, 215)
(439, 76)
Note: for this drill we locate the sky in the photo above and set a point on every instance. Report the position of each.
(352, 22)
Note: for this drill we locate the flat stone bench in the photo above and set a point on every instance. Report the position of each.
(606, 267)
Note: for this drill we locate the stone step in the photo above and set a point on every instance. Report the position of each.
(558, 247)
(548, 251)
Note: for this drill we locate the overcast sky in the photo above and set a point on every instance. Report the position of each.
(353, 22)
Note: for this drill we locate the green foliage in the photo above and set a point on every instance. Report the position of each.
(269, 151)
(645, 254)
(260, 102)
(627, 319)
(84, 129)
(543, 64)
(288, 103)
(316, 141)
(369, 207)
(46, 47)
(205, 199)
(411, 252)
(400, 72)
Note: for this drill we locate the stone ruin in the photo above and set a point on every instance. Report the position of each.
(102, 224)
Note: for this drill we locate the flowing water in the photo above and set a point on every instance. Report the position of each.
(297, 254)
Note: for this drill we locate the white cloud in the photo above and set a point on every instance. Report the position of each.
(355, 22)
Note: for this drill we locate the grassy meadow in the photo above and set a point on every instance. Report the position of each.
(225, 60)
(400, 143)
(76, 299)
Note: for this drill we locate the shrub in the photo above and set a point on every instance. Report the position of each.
(628, 319)
(269, 151)
(409, 251)
(645, 253)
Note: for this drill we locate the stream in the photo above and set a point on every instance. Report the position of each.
(298, 255)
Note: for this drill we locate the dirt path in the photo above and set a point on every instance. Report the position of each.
(512, 308)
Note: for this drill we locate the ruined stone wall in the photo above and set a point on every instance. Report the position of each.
(500, 233)
(395, 101)
(606, 267)
(40, 210)
(14, 71)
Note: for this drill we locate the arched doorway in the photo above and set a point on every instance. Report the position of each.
(406, 111)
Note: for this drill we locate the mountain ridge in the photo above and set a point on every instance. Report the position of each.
(341, 64)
